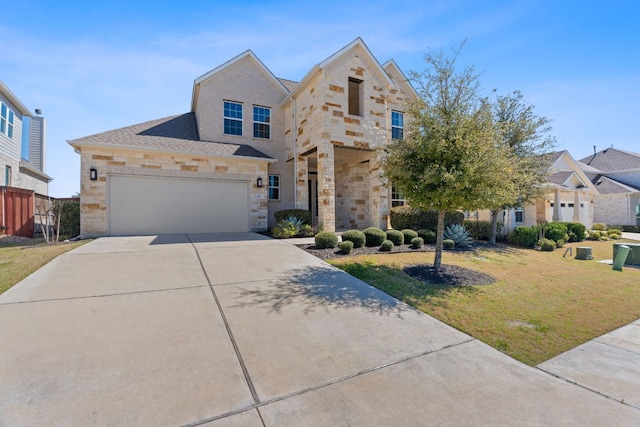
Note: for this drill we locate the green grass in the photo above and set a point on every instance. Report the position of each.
(541, 305)
(18, 260)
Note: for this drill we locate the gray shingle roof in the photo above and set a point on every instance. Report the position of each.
(607, 185)
(612, 159)
(174, 134)
(559, 178)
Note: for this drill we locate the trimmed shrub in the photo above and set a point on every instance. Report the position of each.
(448, 244)
(357, 237)
(576, 231)
(417, 242)
(386, 245)
(374, 236)
(306, 230)
(556, 231)
(326, 239)
(630, 228)
(396, 237)
(596, 235)
(481, 230)
(598, 226)
(560, 243)
(547, 245)
(346, 246)
(414, 218)
(614, 234)
(301, 214)
(428, 236)
(409, 235)
(524, 236)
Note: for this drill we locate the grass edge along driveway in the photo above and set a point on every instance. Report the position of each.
(540, 306)
(19, 260)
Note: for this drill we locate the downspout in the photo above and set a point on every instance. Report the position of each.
(295, 153)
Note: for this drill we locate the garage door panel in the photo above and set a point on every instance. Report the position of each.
(149, 205)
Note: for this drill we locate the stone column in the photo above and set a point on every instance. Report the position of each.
(557, 212)
(326, 187)
(379, 195)
(576, 207)
(302, 182)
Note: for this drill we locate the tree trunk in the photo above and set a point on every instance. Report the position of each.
(437, 262)
(494, 226)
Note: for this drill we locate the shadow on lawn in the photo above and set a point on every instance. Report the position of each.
(313, 288)
(395, 282)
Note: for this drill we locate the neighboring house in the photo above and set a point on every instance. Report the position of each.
(22, 163)
(616, 175)
(252, 144)
(569, 197)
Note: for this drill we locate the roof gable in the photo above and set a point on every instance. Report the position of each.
(248, 54)
(564, 171)
(398, 76)
(356, 44)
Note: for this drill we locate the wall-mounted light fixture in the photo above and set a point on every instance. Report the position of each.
(259, 182)
(93, 174)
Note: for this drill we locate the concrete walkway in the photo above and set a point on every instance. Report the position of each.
(239, 329)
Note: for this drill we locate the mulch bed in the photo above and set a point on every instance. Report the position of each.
(448, 275)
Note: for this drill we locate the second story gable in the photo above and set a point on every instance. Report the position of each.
(237, 102)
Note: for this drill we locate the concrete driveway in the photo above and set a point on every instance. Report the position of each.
(239, 329)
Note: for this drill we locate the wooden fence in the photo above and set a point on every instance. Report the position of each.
(17, 212)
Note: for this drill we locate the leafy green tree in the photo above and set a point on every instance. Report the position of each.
(450, 156)
(526, 136)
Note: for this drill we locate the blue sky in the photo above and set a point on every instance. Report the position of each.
(97, 66)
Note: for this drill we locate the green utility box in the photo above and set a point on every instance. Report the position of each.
(633, 257)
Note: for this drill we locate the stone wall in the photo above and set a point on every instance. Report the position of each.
(353, 205)
(614, 209)
(108, 162)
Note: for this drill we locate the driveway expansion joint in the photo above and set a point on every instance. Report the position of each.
(245, 371)
(615, 346)
(599, 393)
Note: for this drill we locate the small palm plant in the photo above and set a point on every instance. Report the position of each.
(459, 235)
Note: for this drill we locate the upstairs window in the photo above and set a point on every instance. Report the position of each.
(261, 122)
(232, 118)
(6, 120)
(397, 125)
(355, 96)
(274, 187)
(397, 198)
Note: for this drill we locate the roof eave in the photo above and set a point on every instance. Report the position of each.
(14, 100)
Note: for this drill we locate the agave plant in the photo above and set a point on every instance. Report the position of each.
(459, 235)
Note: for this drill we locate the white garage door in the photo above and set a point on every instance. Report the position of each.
(150, 205)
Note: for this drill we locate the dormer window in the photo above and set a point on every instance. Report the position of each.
(232, 118)
(6, 120)
(355, 96)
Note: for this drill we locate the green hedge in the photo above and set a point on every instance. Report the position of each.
(555, 231)
(374, 236)
(305, 216)
(524, 236)
(326, 239)
(396, 237)
(414, 218)
(577, 232)
(480, 230)
(70, 219)
(630, 228)
(356, 236)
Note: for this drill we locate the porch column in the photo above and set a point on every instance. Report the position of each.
(557, 212)
(379, 195)
(576, 207)
(302, 181)
(326, 187)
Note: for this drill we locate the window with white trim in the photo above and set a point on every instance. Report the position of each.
(274, 187)
(397, 198)
(232, 118)
(6, 120)
(261, 122)
(397, 125)
(519, 213)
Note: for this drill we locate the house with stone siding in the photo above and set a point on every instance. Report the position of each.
(251, 145)
(616, 175)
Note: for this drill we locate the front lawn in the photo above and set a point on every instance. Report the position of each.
(540, 305)
(18, 260)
